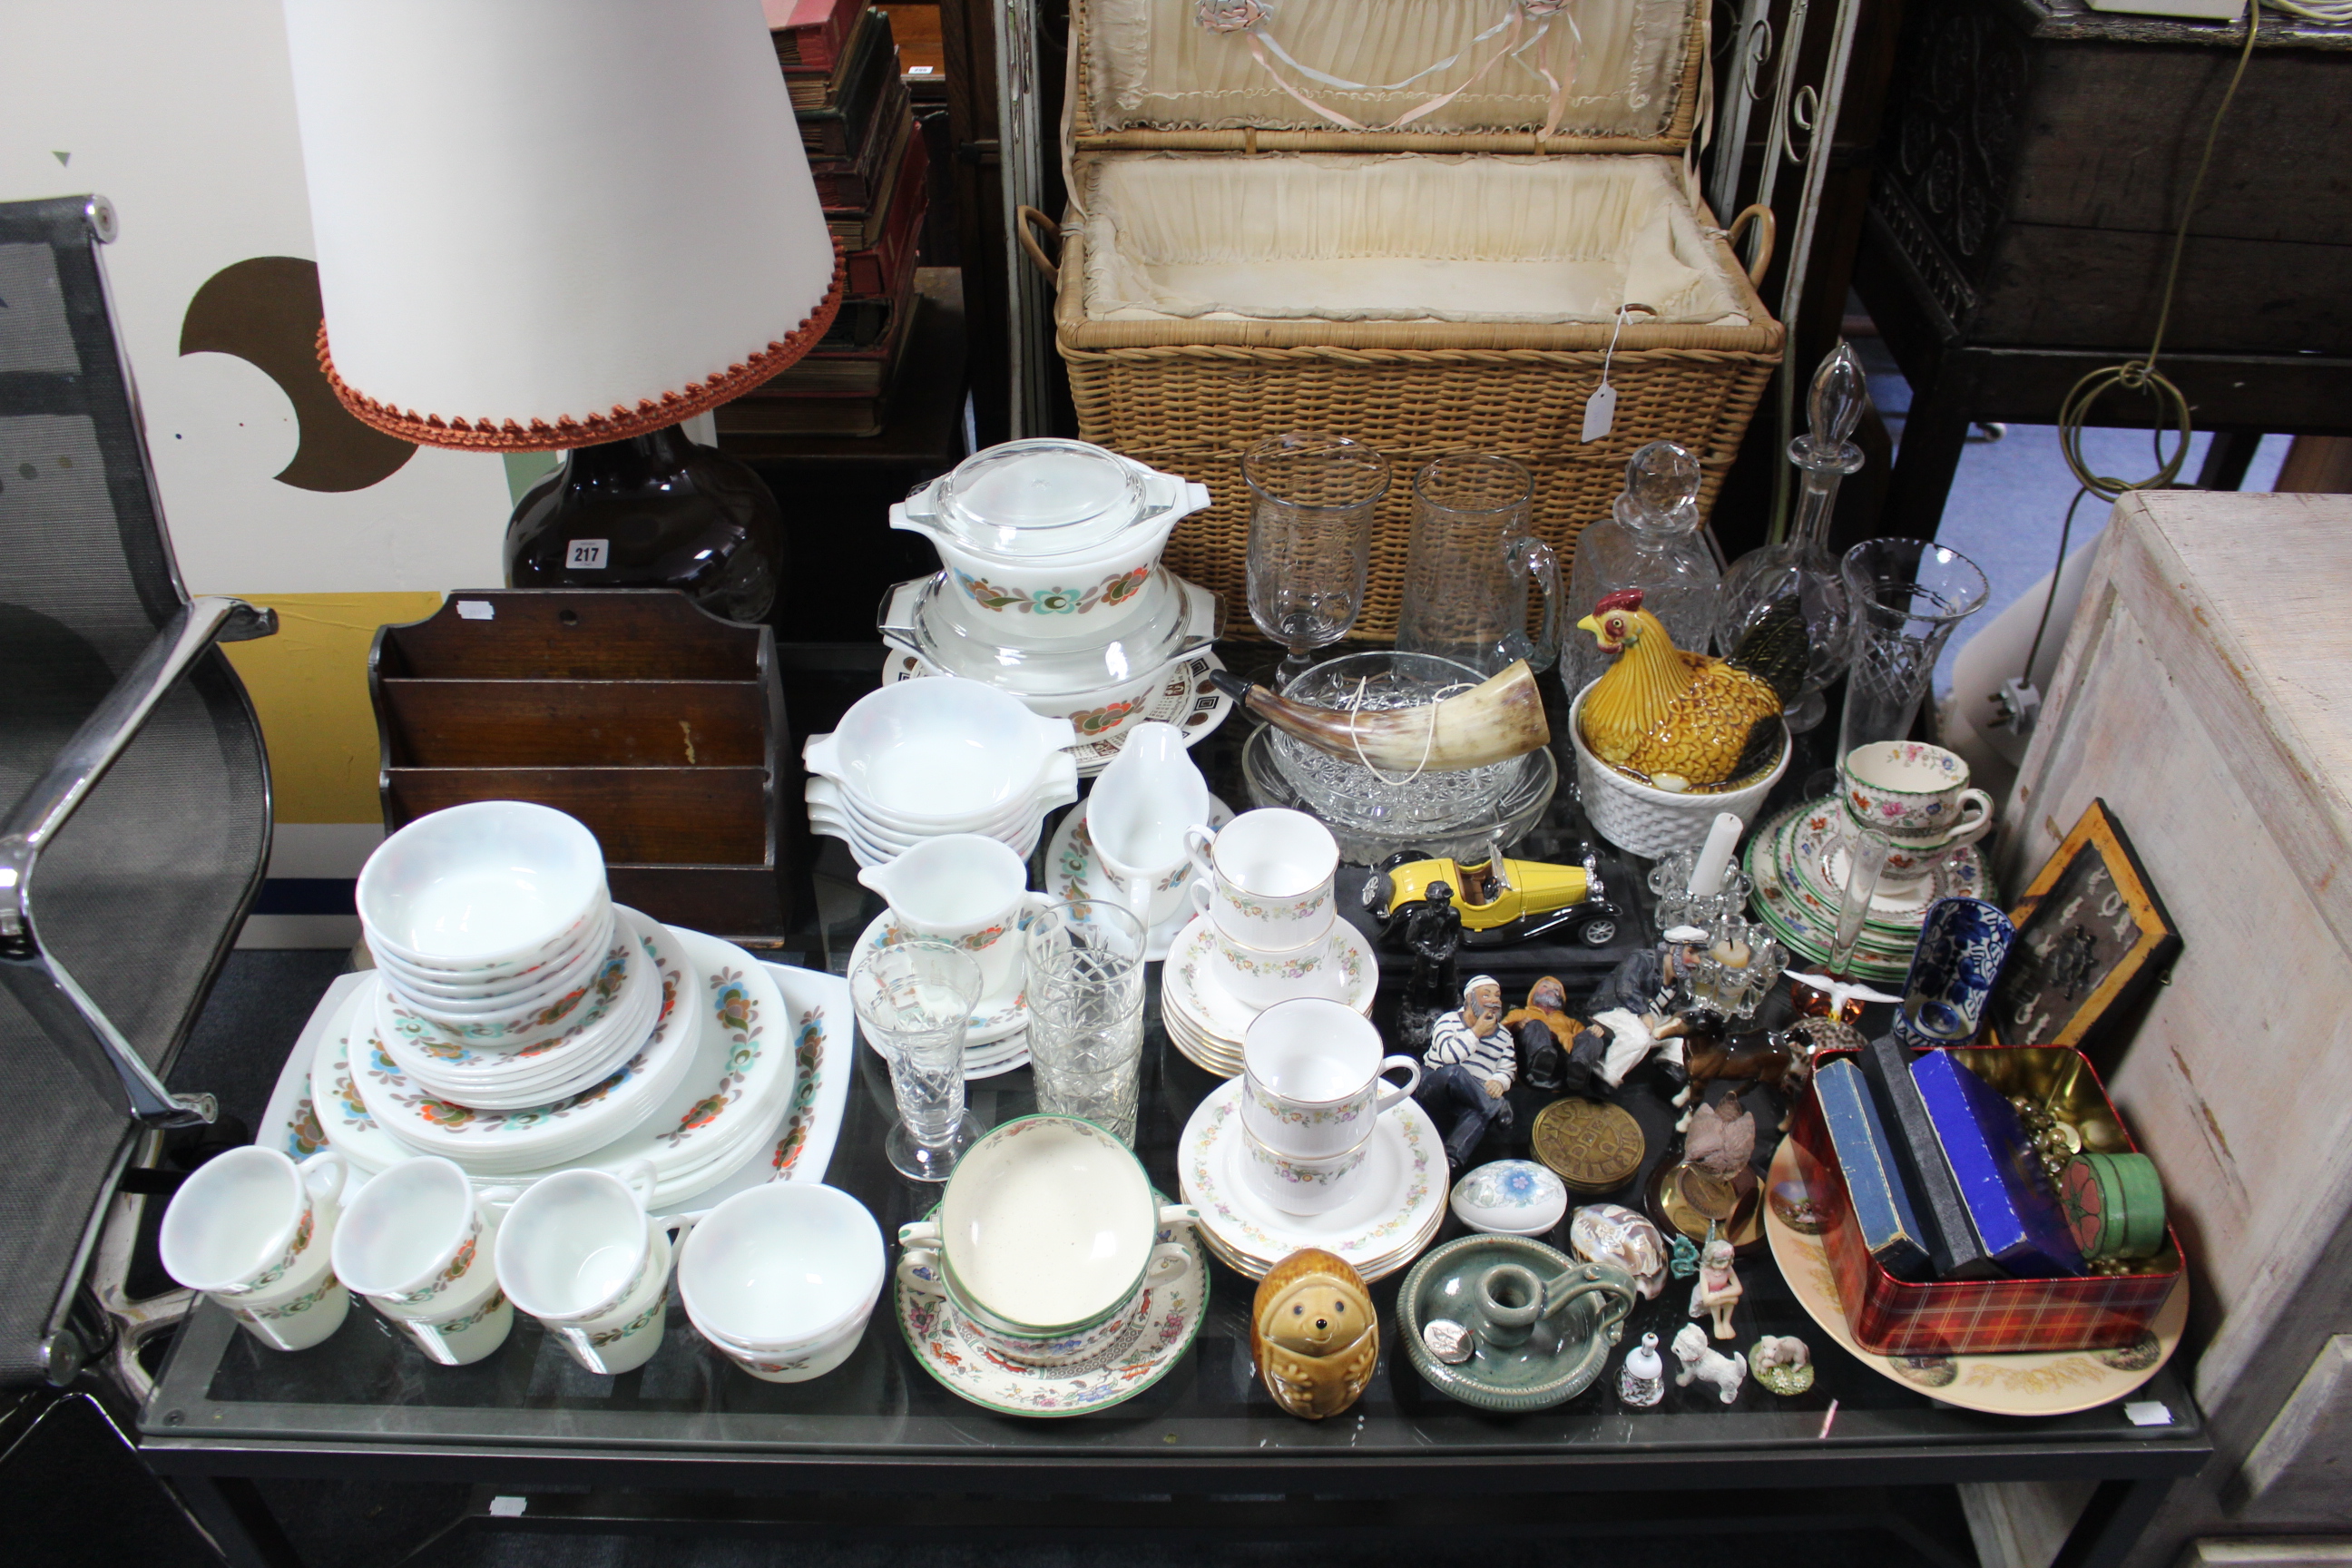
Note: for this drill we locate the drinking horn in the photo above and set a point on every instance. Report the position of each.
(1494, 722)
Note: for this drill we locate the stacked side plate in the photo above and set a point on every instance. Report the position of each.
(1205, 1022)
(1797, 867)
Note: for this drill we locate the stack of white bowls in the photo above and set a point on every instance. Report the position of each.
(926, 758)
(503, 990)
(781, 1278)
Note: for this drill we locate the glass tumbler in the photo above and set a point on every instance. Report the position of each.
(1310, 538)
(1907, 595)
(1084, 966)
(1468, 564)
(913, 1000)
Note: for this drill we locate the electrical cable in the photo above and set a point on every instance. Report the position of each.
(2141, 374)
(2338, 11)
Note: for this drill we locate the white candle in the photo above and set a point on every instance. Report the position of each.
(1706, 874)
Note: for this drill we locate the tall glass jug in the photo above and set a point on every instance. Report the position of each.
(1649, 540)
(1468, 565)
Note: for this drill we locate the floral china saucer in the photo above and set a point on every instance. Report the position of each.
(1070, 861)
(2039, 1383)
(1140, 1356)
(1790, 919)
(1185, 699)
(1816, 860)
(1402, 1191)
(1001, 1013)
(1188, 979)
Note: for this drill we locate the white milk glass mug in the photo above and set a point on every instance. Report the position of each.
(579, 1252)
(414, 1243)
(253, 1230)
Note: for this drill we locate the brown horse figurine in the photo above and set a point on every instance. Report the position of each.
(1784, 1060)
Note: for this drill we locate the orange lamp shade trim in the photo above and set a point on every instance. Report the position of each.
(494, 435)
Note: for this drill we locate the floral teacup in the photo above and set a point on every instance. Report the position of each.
(251, 1229)
(1311, 1078)
(417, 1242)
(1265, 878)
(1915, 794)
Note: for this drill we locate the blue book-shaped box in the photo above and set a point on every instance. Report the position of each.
(1874, 1183)
(1991, 1158)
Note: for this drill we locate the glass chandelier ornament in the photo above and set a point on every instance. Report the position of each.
(1800, 568)
(1649, 540)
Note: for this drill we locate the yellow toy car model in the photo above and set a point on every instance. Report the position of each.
(1500, 900)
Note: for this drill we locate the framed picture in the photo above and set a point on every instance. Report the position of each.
(2092, 935)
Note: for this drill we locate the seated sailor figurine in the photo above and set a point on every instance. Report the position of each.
(1469, 1069)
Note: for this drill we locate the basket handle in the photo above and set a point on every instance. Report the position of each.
(1026, 221)
(1760, 213)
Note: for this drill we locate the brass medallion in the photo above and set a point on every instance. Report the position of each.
(1593, 1147)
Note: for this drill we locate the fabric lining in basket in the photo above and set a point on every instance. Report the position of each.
(1153, 65)
(1399, 237)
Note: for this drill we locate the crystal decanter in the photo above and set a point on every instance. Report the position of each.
(1649, 540)
(1801, 567)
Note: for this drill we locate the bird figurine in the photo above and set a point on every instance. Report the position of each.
(1314, 1335)
(1680, 720)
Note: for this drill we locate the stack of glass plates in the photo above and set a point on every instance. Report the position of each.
(1205, 1022)
(1797, 865)
(1396, 1213)
(1521, 806)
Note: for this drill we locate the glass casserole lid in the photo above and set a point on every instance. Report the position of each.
(1045, 497)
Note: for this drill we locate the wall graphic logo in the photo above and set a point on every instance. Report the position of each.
(266, 312)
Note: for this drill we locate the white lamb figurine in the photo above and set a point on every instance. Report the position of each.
(1701, 1361)
(1784, 1349)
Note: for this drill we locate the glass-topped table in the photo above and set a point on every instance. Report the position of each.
(367, 1403)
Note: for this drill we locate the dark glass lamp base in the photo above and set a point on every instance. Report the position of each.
(652, 511)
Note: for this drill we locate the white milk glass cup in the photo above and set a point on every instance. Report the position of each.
(253, 1231)
(414, 1243)
(578, 1252)
(781, 1278)
(965, 889)
(1312, 1078)
(1265, 878)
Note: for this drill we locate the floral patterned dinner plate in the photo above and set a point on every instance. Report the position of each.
(1189, 980)
(1816, 862)
(298, 1120)
(1143, 1353)
(1402, 1190)
(1073, 867)
(2041, 1383)
(1185, 699)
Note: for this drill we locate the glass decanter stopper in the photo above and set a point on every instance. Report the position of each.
(1799, 569)
(1649, 540)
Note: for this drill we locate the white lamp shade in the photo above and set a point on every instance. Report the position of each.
(548, 223)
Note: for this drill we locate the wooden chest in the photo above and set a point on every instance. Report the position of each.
(2205, 694)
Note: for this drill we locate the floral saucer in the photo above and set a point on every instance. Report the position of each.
(1141, 1355)
(1189, 980)
(1185, 699)
(1001, 1013)
(2036, 1383)
(1793, 922)
(1070, 862)
(1402, 1192)
(1816, 862)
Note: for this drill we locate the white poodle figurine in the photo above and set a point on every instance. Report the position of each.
(1702, 1361)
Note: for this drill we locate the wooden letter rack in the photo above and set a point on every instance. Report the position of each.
(657, 725)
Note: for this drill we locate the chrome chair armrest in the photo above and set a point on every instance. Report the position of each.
(36, 978)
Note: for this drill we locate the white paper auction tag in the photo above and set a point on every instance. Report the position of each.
(1599, 412)
(586, 554)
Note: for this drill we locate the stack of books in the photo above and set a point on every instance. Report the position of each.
(873, 176)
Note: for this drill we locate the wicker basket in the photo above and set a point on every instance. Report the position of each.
(1191, 394)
